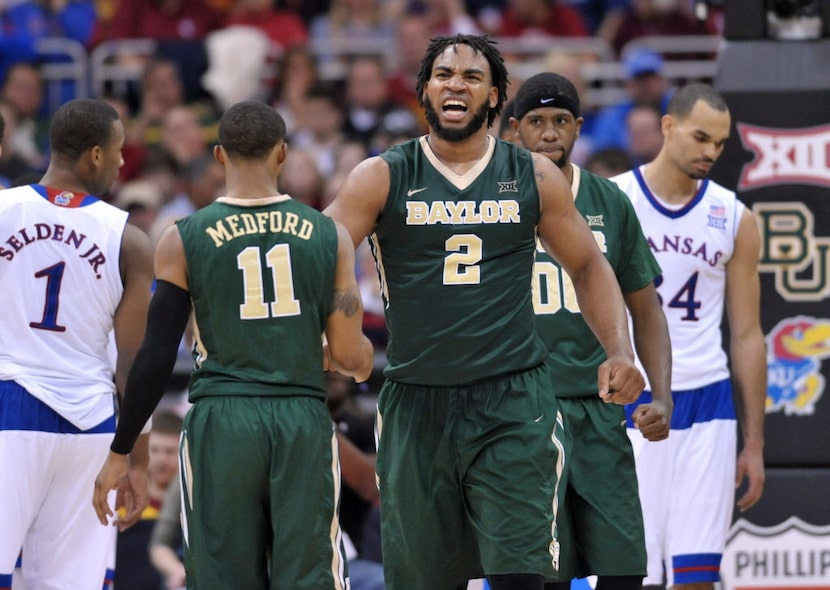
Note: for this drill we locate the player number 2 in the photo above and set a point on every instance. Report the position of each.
(278, 260)
(461, 267)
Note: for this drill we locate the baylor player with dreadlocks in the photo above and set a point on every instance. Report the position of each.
(469, 438)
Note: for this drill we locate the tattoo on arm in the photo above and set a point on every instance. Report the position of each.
(347, 301)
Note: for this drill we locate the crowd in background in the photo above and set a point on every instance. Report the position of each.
(203, 63)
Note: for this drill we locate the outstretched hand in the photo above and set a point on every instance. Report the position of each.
(131, 484)
(620, 382)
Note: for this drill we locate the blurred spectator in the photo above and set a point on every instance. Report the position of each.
(35, 19)
(182, 137)
(350, 23)
(29, 21)
(602, 17)
(609, 162)
(445, 17)
(200, 184)
(413, 35)
(179, 28)
(657, 17)
(645, 133)
(349, 155)
(161, 88)
(166, 550)
(22, 91)
(644, 85)
(142, 200)
(12, 164)
(544, 18)
(296, 73)
(374, 319)
(133, 568)
(159, 19)
(284, 28)
(300, 178)
(322, 134)
(368, 105)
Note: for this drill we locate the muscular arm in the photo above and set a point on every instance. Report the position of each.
(361, 199)
(567, 238)
(350, 350)
(653, 345)
(747, 355)
(154, 361)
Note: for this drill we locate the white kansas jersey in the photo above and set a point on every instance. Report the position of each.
(692, 243)
(59, 268)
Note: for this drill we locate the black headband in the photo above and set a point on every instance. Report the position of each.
(538, 99)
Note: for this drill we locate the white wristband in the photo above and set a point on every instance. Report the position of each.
(147, 426)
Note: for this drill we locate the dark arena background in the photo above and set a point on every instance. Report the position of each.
(774, 71)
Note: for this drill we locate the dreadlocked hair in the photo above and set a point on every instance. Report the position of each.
(480, 44)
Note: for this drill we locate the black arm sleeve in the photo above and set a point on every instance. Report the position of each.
(153, 366)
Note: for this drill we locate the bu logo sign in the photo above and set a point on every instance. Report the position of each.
(793, 554)
(785, 156)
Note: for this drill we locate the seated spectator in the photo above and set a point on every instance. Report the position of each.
(160, 89)
(644, 85)
(32, 20)
(412, 40)
(645, 133)
(296, 74)
(543, 18)
(368, 106)
(300, 178)
(12, 164)
(658, 17)
(182, 137)
(322, 135)
(166, 549)
(22, 90)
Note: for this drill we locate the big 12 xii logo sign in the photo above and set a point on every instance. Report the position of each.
(794, 254)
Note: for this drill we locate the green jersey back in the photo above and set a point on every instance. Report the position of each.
(261, 276)
(575, 351)
(455, 257)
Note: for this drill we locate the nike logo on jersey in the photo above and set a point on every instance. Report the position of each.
(415, 191)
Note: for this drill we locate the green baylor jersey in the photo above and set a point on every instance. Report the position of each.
(455, 258)
(261, 276)
(575, 351)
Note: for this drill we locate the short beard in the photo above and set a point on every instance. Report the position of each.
(456, 135)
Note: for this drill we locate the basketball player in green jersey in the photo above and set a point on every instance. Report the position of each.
(265, 277)
(469, 444)
(600, 521)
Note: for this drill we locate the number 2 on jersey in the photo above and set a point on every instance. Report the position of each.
(278, 260)
(461, 267)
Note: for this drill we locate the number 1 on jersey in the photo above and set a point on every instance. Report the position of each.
(278, 260)
(54, 276)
